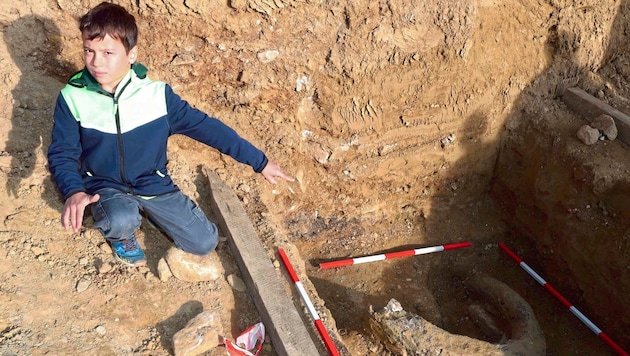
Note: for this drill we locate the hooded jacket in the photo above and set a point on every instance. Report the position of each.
(104, 140)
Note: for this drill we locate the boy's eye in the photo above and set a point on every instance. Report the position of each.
(109, 53)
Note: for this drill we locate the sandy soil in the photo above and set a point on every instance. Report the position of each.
(391, 116)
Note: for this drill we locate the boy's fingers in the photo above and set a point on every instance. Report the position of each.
(65, 219)
(269, 178)
(78, 219)
(286, 177)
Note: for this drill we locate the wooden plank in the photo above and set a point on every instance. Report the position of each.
(282, 321)
(590, 107)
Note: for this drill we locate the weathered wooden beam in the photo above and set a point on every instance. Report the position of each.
(282, 321)
(590, 107)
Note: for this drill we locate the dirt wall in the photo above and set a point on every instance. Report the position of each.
(391, 114)
(566, 198)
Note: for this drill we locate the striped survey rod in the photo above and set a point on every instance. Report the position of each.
(387, 256)
(330, 345)
(564, 301)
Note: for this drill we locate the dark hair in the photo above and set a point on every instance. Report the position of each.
(110, 19)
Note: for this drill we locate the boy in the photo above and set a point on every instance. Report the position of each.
(108, 149)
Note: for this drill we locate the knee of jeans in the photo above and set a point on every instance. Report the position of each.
(123, 225)
(204, 246)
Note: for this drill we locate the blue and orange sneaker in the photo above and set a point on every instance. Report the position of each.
(128, 251)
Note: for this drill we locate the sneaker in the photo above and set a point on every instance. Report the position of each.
(129, 252)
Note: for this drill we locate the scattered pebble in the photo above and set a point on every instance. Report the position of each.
(105, 248)
(149, 276)
(236, 283)
(104, 268)
(100, 330)
(588, 135)
(605, 124)
(38, 251)
(164, 272)
(83, 284)
(267, 56)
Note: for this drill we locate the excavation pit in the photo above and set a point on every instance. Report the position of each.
(561, 205)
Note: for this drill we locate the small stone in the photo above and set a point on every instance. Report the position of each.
(192, 268)
(267, 56)
(149, 276)
(164, 272)
(83, 261)
(104, 268)
(100, 330)
(201, 334)
(236, 283)
(447, 140)
(105, 248)
(606, 125)
(92, 234)
(83, 284)
(393, 306)
(588, 135)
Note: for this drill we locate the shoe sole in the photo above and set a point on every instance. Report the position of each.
(135, 264)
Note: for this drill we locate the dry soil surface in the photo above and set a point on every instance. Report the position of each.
(390, 114)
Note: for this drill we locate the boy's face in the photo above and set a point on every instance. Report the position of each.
(107, 60)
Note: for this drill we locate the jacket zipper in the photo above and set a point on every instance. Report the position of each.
(121, 156)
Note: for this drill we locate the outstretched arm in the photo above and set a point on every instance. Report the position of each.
(273, 171)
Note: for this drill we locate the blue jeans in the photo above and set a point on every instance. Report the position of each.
(117, 217)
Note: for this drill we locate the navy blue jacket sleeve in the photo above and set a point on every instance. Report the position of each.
(186, 120)
(64, 152)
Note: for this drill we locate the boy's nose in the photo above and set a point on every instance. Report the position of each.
(97, 60)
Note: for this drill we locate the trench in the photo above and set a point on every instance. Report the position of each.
(561, 206)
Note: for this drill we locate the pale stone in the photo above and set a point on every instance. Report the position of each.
(83, 285)
(236, 283)
(192, 268)
(38, 251)
(588, 135)
(606, 125)
(105, 248)
(268, 56)
(164, 272)
(104, 268)
(201, 334)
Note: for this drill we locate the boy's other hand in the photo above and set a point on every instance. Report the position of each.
(74, 208)
(272, 171)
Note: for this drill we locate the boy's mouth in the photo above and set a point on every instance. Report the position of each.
(99, 74)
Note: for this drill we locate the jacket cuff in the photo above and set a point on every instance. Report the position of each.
(262, 165)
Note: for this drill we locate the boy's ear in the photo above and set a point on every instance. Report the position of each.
(133, 54)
